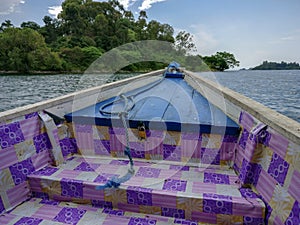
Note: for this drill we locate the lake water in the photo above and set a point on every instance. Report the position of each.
(279, 90)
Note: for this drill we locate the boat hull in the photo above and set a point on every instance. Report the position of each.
(265, 155)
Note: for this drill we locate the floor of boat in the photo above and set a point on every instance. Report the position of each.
(148, 174)
(158, 193)
(162, 184)
(49, 212)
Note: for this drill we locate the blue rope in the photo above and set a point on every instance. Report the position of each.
(115, 181)
(127, 152)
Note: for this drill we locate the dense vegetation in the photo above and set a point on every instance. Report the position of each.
(85, 30)
(277, 66)
(221, 61)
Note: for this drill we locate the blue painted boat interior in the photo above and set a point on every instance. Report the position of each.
(170, 103)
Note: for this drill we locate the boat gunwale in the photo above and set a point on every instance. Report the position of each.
(43, 105)
(280, 123)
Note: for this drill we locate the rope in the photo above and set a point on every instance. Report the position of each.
(115, 181)
(130, 97)
(116, 113)
(127, 152)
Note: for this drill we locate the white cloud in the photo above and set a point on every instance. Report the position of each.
(54, 10)
(127, 3)
(147, 4)
(8, 6)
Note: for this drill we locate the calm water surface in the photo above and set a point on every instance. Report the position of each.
(23, 90)
(279, 90)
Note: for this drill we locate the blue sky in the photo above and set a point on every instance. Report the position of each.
(253, 30)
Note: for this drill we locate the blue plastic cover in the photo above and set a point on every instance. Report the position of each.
(170, 104)
(174, 75)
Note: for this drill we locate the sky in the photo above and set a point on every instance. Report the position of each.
(252, 30)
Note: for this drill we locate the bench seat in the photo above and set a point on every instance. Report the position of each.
(206, 194)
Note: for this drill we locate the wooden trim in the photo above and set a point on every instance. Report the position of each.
(36, 107)
(285, 126)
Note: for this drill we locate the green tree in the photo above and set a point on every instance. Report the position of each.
(229, 58)
(141, 25)
(157, 31)
(72, 21)
(6, 24)
(72, 58)
(25, 50)
(100, 27)
(90, 54)
(87, 28)
(215, 63)
(277, 66)
(44, 60)
(184, 42)
(79, 59)
(51, 31)
(166, 33)
(32, 25)
(124, 28)
(221, 61)
(153, 30)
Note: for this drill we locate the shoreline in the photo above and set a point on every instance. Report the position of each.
(39, 73)
(4, 73)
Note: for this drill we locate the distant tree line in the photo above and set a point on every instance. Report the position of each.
(277, 66)
(83, 31)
